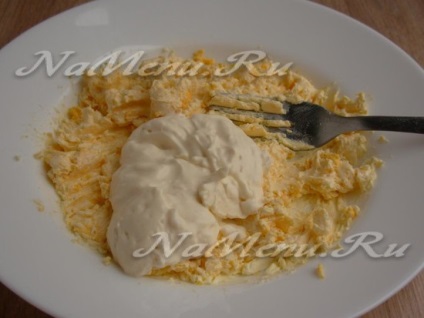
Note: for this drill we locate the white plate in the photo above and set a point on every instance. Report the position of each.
(38, 259)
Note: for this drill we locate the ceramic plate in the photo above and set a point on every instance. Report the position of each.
(41, 263)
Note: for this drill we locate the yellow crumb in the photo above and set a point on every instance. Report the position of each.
(320, 271)
(383, 139)
(107, 260)
(75, 114)
(199, 56)
(39, 205)
(17, 158)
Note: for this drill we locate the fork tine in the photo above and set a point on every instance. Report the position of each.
(261, 118)
(260, 131)
(249, 113)
(249, 102)
(249, 116)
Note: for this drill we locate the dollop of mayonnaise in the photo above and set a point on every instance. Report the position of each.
(181, 175)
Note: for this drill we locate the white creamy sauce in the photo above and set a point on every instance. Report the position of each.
(178, 175)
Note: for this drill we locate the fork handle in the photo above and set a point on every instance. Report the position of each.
(391, 123)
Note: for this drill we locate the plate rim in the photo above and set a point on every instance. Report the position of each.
(9, 46)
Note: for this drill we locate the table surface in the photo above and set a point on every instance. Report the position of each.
(400, 21)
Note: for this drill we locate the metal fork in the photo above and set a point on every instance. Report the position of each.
(306, 125)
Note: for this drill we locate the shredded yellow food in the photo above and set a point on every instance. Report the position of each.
(320, 272)
(309, 196)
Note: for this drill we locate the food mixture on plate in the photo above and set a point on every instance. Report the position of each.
(140, 162)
